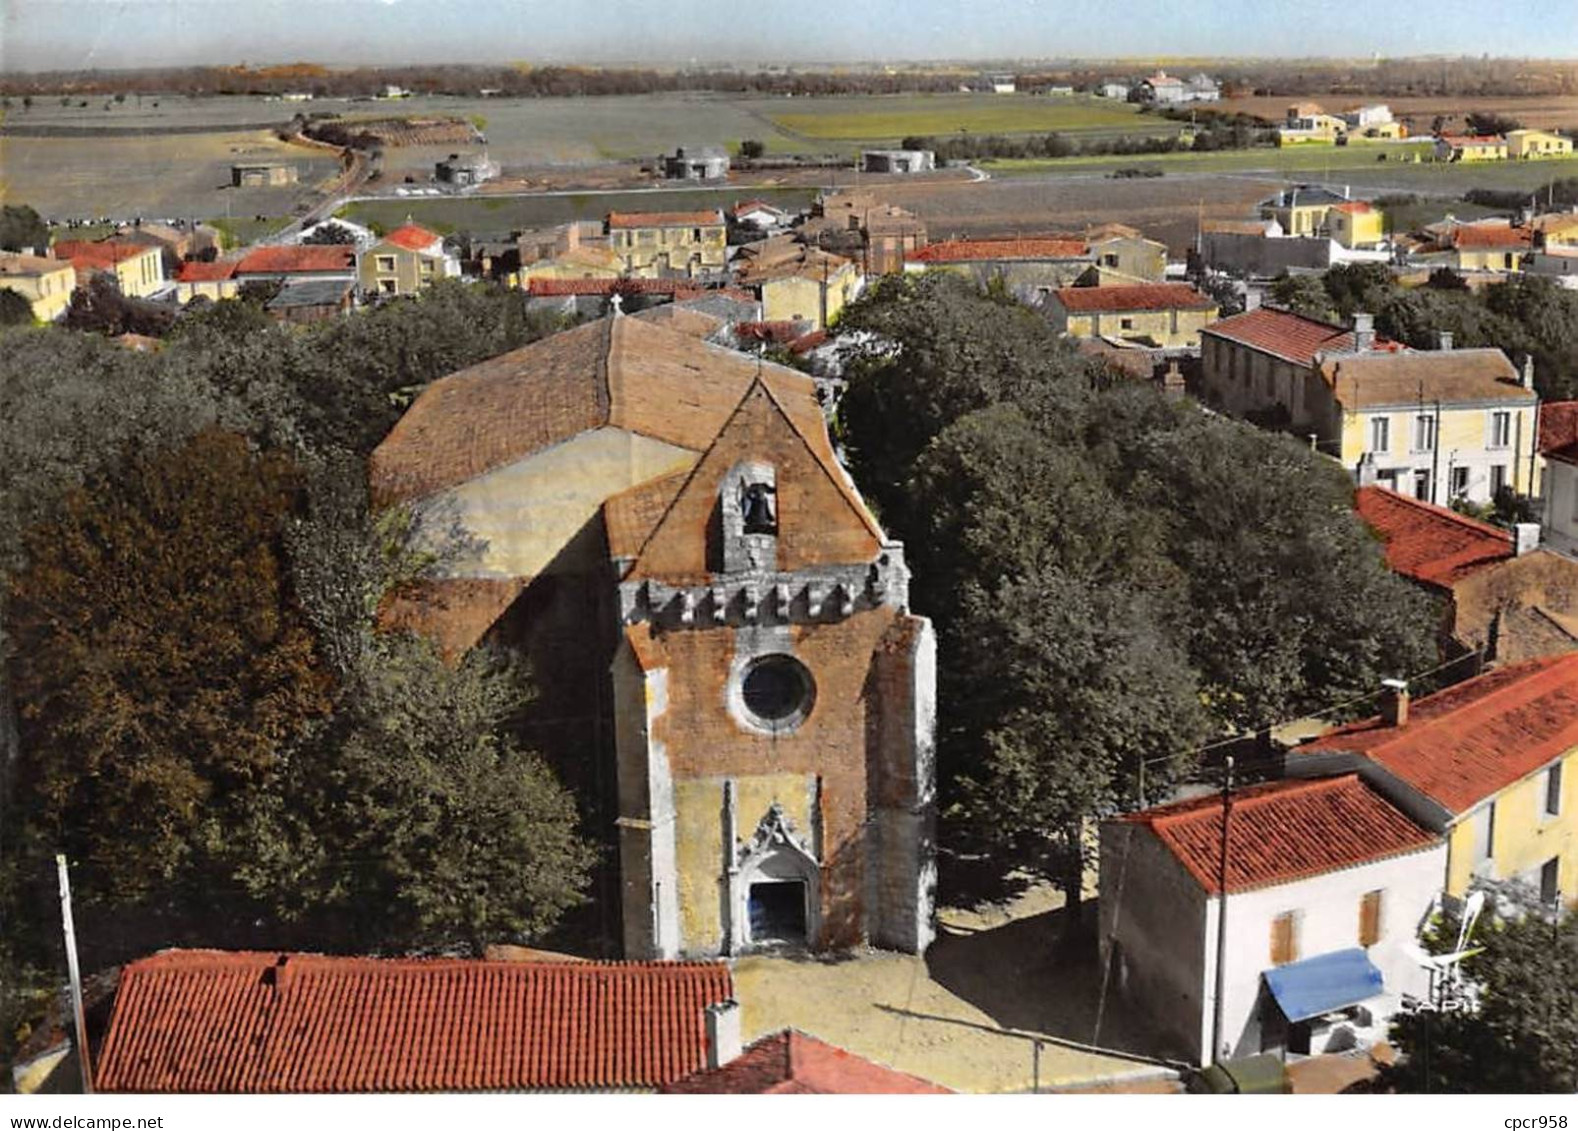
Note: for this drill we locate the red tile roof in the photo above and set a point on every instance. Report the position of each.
(976, 251)
(1558, 425)
(743, 206)
(307, 259)
(1149, 296)
(101, 254)
(549, 288)
(1354, 206)
(791, 1062)
(412, 237)
(213, 1021)
(1467, 743)
(664, 219)
(1283, 831)
(1284, 334)
(195, 272)
(1491, 236)
(1430, 543)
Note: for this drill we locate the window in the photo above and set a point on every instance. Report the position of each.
(388, 286)
(1381, 434)
(695, 235)
(1553, 790)
(1370, 918)
(1422, 485)
(1498, 479)
(1126, 323)
(1459, 482)
(1500, 429)
(1550, 879)
(1285, 938)
(386, 263)
(1424, 433)
(1109, 260)
(1510, 261)
(777, 692)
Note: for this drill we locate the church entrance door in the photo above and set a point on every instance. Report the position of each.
(777, 911)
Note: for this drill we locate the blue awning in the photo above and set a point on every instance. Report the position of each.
(1324, 983)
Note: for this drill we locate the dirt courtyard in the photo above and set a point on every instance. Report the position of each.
(942, 1017)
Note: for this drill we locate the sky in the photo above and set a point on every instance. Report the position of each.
(71, 34)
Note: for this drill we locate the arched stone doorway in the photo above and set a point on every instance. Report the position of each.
(775, 889)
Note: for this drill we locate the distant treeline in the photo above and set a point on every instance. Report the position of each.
(1212, 131)
(1394, 78)
(1556, 194)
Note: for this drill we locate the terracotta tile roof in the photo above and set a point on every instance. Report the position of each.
(1149, 296)
(1467, 743)
(1558, 425)
(212, 1021)
(791, 1062)
(696, 323)
(617, 372)
(412, 237)
(554, 288)
(741, 207)
(1407, 377)
(99, 255)
(304, 259)
(703, 218)
(1283, 334)
(975, 251)
(1491, 236)
(195, 272)
(1430, 543)
(781, 331)
(31, 265)
(1283, 831)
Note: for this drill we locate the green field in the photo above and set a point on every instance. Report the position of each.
(448, 215)
(891, 117)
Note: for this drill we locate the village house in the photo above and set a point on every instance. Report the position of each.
(1030, 267)
(1114, 90)
(263, 174)
(1488, 763)
(1374, 122)
(794, 1063)
(797, 282)
(312, 300)
(1424, 423)
(1302, 210)
(657, 245)
(1165, 315)
(136, 269)
(716, 623)
(1164, 88)
(1126, 252)
(1496, 245)
(1356, 224)
(406, 260)
(208, 1021)
(289, 264)
(465, 170)
(1558, 444)
(1456, 147)
(758, 214)
(213, 281)
(45, 281)
(1524, 145)
(1312, 896)
(858, 226)
(1307, 122)
(1503, 597)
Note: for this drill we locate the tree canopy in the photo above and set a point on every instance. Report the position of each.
(22, 227)
(1115, 576)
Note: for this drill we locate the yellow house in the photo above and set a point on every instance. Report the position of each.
(1482, 148)
(798, 283)
(1489, 763)
(1490, 246)
(1317, 128)
(215, 281)
(1301, 210)
(1356, 224)
(46, 283)
(584, 262)
(660, 245)
(1435, 424)
(1166, 315)
(1525, 144)
(138, 270)
(406, 260)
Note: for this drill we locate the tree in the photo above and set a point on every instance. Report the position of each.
(165, 664)
(331, 233)
(1524, 1036)
(753, 149)
(1306, 295)
(15, 309)
(22, 227)
(101, 308)
(1484, 122)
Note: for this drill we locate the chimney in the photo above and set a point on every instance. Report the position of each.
(723, 1033)
(1173, 380)
(1444, 340)
(1363, 332)
(1252, 297)
(1394, 702)
(1526, 377)
(281, 974)
(1526, 537)
(1368, 474)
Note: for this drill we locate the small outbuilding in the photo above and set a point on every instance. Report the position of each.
(692, 163)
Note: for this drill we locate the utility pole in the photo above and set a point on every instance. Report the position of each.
(1221, 912)
(84, 1054)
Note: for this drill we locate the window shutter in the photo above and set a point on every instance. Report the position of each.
(1370, 918)
(1284, 944)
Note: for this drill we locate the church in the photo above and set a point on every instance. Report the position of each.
(717, 620)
